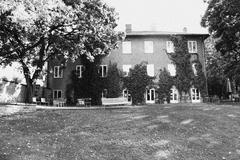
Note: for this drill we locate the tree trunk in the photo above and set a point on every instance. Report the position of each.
(29, 91)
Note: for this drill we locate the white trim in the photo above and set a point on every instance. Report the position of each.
(126, 69)
(148, 46)
(170, 47)
(174, 98)
(192, 47)
(79, 75)
(127, 47)
(171, 69)
(150, 101)
(195, 95)
(102, 71)
(57, 94)
(150, 70)
(59, 71)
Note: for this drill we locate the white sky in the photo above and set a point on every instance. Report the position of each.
(165, 15)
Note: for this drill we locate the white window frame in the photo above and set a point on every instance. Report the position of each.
(127, 47)
(195, 95)
(102, 74)
(170, 47)
(171, 69)
(150, 70)
(125, 72)
(191, 48)
(57, 91)
(59, 71)
(194, 68)
(151, 96)
(148, 46)
(174, 95)
(79, 71)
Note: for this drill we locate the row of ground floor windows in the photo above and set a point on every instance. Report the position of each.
(174, 96)
(194, 92)
(150, 95)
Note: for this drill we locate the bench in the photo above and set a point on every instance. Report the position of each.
(115, 101)
(84, 102)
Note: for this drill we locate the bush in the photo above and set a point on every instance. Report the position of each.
(136, 83)
(165, 84)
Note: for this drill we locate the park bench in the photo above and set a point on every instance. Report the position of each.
(84, 102)
(115, 101)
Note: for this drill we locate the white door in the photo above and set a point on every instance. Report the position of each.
(195, 95)
(174, 95)
(150, 96)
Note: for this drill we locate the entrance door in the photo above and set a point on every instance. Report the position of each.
(195, 95)
(174, 95)
(127, 95)
(150, 96)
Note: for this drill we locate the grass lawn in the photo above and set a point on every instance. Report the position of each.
(172, 132)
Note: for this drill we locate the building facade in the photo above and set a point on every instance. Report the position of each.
(138, 46)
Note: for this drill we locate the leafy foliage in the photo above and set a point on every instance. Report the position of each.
(165, 84)
(113, 81)
(199, 80)
(33, 31)
(137, 82)
(90, 85)
(181, 59)
(222, 18)
(216, 77)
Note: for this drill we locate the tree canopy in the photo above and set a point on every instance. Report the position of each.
(34, 31)
(222, 18)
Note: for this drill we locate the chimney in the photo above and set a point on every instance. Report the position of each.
(185, 29)
(128, 28)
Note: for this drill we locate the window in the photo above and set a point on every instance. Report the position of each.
(172, 69)
(174, 95)
(126, 69)
(150, 95)
(170, 47)
(79, 70)
(150, 70)
(126, 95)
(103, 70)
(57, 94)
(192, 46)
(58, 73)
(148, 46)
(127, 47)
(194, 69)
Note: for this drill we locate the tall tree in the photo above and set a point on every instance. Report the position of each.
(222, 18)
(215, 65)
(137, 83)
(113, 81)
(33, 31)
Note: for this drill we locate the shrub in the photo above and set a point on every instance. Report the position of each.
(136, 83)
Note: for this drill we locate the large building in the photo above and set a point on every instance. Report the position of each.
(138, 46)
